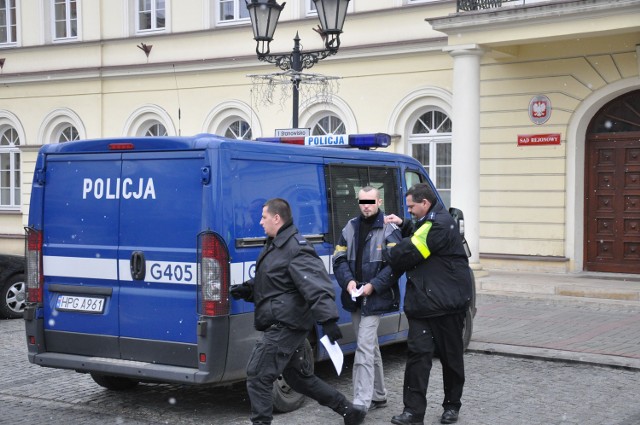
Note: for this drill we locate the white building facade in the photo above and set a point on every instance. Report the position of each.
(525, 114)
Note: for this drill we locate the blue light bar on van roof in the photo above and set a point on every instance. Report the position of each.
(361, 141)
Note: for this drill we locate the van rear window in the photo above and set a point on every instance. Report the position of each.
(343, 184)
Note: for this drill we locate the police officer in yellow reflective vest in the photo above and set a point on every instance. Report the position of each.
(437, 296)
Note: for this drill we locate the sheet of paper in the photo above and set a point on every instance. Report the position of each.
(335, 353)
(357, 292)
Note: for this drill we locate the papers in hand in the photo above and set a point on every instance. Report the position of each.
(357, 292)
(335, 353)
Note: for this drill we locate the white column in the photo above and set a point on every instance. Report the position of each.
(465, 145)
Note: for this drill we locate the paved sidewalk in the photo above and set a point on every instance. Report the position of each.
(586, 318)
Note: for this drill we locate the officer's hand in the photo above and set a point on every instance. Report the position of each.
(392, 218)
(243, 291)
(331, 329)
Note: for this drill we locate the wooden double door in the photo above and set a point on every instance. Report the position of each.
(612, 202)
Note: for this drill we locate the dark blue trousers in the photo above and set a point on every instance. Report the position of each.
(279, 352)
(442, 334)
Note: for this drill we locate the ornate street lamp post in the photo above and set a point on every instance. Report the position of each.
(264, 16)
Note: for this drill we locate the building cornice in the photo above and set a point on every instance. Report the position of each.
(565, 11)
(249, 62)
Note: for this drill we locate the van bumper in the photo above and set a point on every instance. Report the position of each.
(140, 371)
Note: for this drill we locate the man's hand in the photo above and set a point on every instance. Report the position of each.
(352, 286)
(392, 218)
(244, 291)
(331, 329)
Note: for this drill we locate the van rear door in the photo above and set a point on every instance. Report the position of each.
(120, 254)
(80, 228)
(159, 223)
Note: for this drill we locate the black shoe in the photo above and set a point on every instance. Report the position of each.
(354, 415)
(377, 404)
(449, 417)
(406, 418)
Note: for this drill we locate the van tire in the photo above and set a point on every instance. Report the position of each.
(13, 297)
(114, 383)
(285, 399)
(467, 329)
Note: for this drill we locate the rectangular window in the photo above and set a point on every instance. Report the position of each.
(151, 15)
(311, 7)
(10, 179)
(8, 29)
(232, 10)
(65, 19)
(345, 181)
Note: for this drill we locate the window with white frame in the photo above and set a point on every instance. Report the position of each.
(238, 129)
(328, 124)
(311, 7)
(232, 10)
(9, 168)
(8, 19)
(150, 15)
(65, 19)
(153, 128)
(68, 134)
(430, 143)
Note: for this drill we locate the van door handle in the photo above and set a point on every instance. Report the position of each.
(138, 266)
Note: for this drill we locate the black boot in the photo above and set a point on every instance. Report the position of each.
(353, 415)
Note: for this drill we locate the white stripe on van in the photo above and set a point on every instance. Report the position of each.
(163, 272)
(157, 271)
(90, 268)
(241, 272)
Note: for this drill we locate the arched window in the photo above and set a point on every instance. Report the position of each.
(619, 116)
(149, 120)
(68, 134)
(154, 128)
(238, 129)
(61, 125)
(430, 142)
(328, 124)
(9, 168)
(233, 119)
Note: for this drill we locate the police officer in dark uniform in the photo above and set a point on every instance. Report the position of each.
(291, 291)
(437, 297)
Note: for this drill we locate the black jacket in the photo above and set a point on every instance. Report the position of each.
(438, 274)
(386, 295)
(291, 285)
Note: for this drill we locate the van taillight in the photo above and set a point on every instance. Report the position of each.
(213, 275)
(33, 254)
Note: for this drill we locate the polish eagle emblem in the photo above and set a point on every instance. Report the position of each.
(539, 109)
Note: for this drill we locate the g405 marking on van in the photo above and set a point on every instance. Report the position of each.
(167, 272)
(125, 188)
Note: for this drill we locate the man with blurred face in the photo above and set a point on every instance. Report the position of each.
(369, 289)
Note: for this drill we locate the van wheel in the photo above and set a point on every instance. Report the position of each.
(467, 330)
(114, 383)
(285, 399)
(13, 297)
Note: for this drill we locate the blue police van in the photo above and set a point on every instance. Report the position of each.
(132, 245)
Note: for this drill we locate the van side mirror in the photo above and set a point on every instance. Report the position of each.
(458, 217)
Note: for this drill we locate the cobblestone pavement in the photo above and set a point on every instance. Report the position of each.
(499, 389)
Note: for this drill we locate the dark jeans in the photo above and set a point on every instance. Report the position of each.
(426, 336)
(277, 353)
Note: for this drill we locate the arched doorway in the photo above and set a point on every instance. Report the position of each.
(612, 187)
